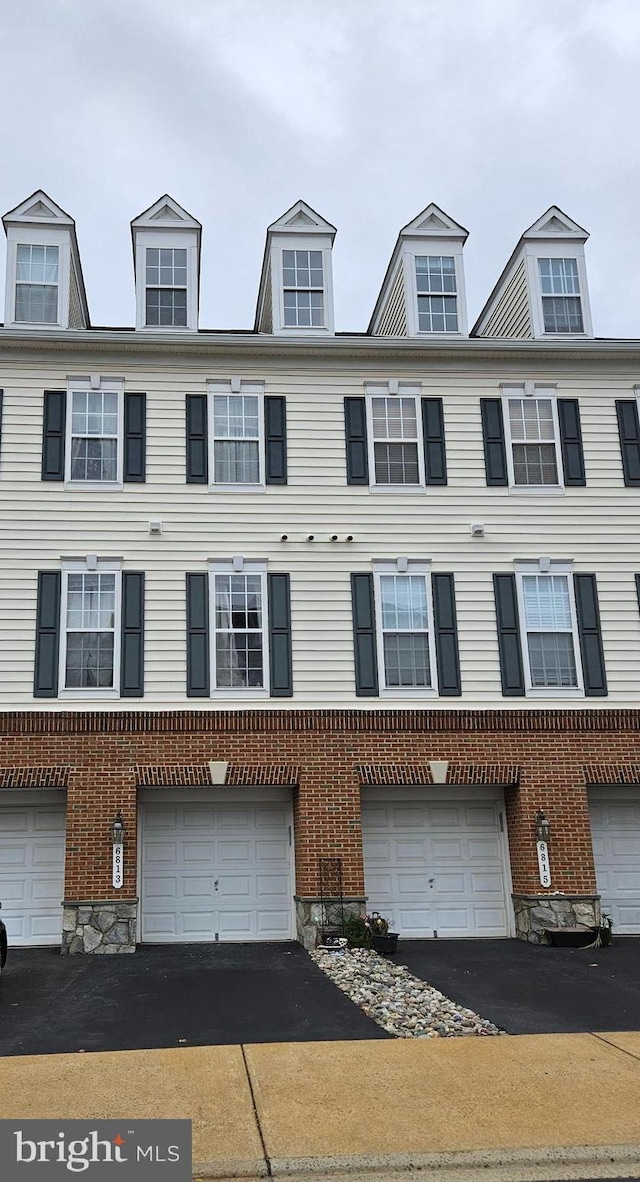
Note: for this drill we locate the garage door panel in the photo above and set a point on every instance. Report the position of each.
(456, 883)
(271, 925)
(220, 880)
(615, 833)
(157, 817)
(32, 873)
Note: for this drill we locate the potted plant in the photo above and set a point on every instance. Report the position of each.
(382, 939)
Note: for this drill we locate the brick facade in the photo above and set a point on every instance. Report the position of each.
(544, 759)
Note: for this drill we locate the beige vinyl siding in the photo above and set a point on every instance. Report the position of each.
(40, 522)
(511, 316)
(266, 315)
(393, 317)
(76, 317)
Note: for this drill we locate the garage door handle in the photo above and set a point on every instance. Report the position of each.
(431, 881)
(215, 885)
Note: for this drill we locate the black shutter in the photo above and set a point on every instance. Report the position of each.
(1, 402)
(435, 456)
(197, 636)
(364, 636)
(511, 668)
(355, 420)
(638, 588)
(593, 670)
(446, 633)
(571, 442)
(275, 436)
(197, 442)
(281, 680)
(132, 640)
(45, 682)
(53, 434)
(629, 432)
(495, 455)
(135, 442)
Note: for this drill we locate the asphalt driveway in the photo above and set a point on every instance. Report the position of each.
(534, 989)
(168, 996)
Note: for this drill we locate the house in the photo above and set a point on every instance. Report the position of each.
(292, 614)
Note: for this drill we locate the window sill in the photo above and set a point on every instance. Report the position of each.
(409, 692)
(240, 694)
(237, 488)
(395, 489)
(94, 485)
(559, 692)
(91, 694)
(533, 489)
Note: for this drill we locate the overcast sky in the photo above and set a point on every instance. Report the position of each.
(368, 109)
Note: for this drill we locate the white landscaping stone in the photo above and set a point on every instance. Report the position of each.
(400, 1003)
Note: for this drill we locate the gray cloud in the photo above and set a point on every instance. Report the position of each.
(368, 109)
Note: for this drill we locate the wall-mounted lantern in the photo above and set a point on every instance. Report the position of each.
(543, 828)
(116, 829)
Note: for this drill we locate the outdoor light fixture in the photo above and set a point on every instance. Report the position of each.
(116, 829)
(543, 828)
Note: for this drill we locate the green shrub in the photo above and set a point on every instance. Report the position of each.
(357, 932)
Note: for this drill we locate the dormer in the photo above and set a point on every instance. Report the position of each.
(423, 291)
(166, 262)
(44, 286)
(542, 293)
(296, 287)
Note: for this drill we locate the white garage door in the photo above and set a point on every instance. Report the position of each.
(32, 871)
(615, 832)
(436, 864)
(216, 869)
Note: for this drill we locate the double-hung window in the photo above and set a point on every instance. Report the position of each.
(436, 293)
(90, 648)
(37, 278)
(238, 433)
(560, 291)
(303, 288)
(533, 451)
(239, 656)
(166, 287)
(395, 437)
(94, 426)
(406, 651)
(549, 628)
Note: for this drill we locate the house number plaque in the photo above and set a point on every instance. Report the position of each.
(117, 864)
(543, 863)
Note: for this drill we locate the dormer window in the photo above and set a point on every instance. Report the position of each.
(166, 259)
(303, 284)
(37, 284)
(437, 293)
(166, 291)
(560, 288)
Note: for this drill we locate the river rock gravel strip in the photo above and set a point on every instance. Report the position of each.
(399, 1002)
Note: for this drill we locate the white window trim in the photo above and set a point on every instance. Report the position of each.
(86, 566)
(440, 247)
(309, 290)
(547, 567)
(240, 387)
(166, 239)
(426, 332)
(239, 566)
(556, 250)
(404, 567)
(38, 236)
(531, 390)
(43, 283)
(94, 384)
(301, 242)
(393, 389)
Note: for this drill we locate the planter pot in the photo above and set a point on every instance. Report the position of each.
(606, 936)
(386, 944)
(571, 937)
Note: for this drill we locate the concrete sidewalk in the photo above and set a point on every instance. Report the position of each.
(534, 1106)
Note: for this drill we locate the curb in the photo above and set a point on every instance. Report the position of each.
(490, 1165)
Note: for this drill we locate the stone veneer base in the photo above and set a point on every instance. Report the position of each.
(106, 927)
(535, 913)
(309, 916)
